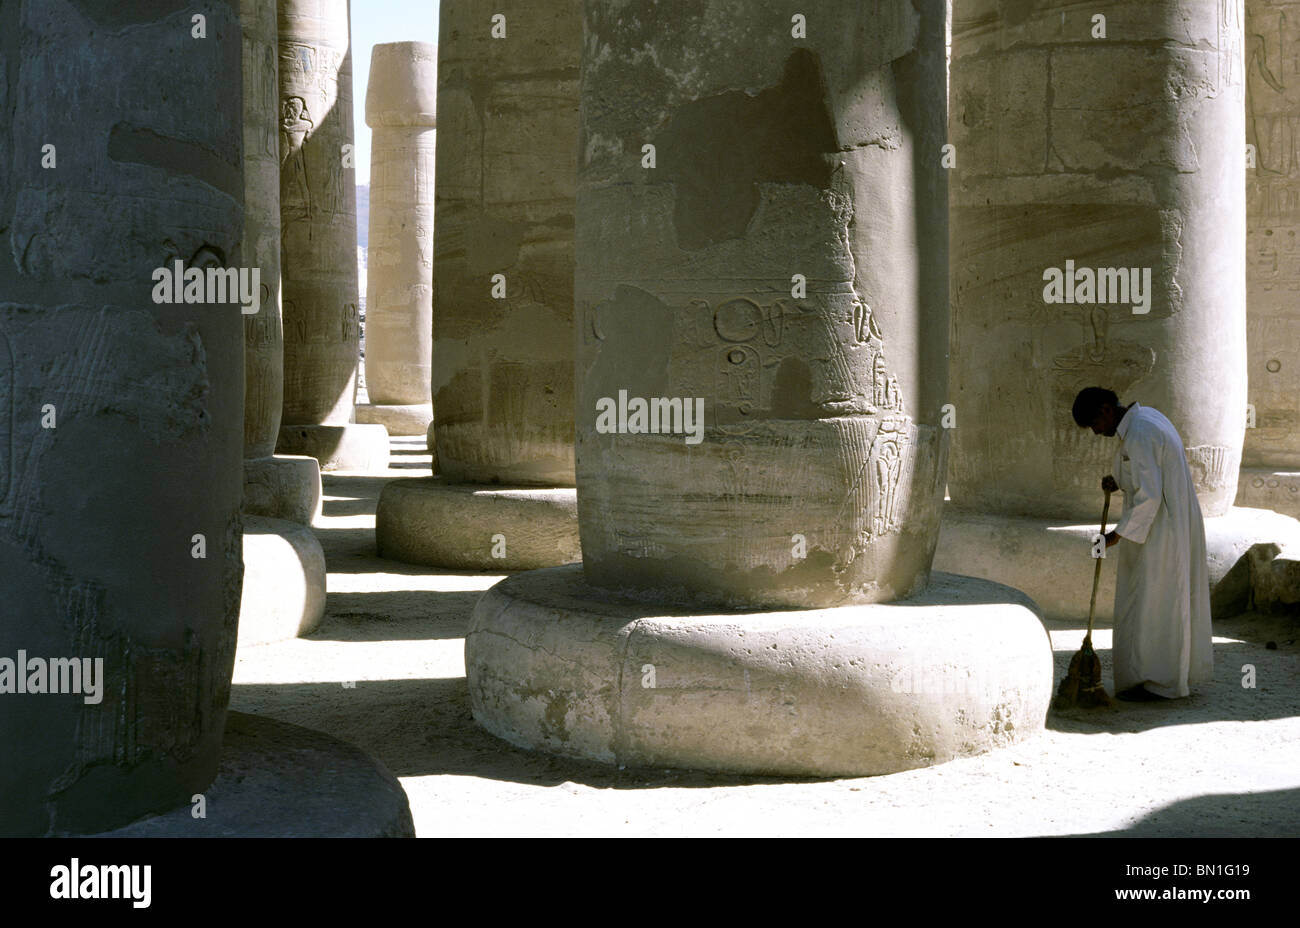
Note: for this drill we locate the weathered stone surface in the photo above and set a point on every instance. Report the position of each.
(1275, 577)
(1114, 153)
(1266, 580)
(820, 475)
(260, 248)
(284, 581)
(556, 665)
(1265, 488)
(1273, 242)
(816, 478)
(502, 378)
(400, 107)
(99, 509)
(503, 368)
(1052, 562)
(416, 419)
(284, 567)
(322, 326)
(283, 487)
(284, 781)
(339, 447)
(467, 527)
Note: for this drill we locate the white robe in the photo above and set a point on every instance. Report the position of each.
(1162, 593)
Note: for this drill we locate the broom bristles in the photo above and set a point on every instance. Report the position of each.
(1082, 686)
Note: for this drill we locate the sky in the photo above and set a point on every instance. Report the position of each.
(374, 22)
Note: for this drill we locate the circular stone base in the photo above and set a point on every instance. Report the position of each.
(284, 486)
(426, 521)
(284, 581)
(555, 665)
(1274, 579)
(399, 420)
(338, 447)
(1267, 488)
(1052, 561)
(278, 780)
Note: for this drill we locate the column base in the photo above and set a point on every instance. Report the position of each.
(338, 447)
(1275, 579)
(283, 486)
(399, 420)
(278, 780)
(1267, 579)
(284, 581)
(1267, 488)
(557, 666)
(427, 521)
(1052, 561)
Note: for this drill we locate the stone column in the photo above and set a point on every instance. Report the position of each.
(318, 261)
(503, 299)
(1096, 222)
(264, 329)
(762, 247)
(1270, 477)
(400, 107)
(284, 566)
(120, 409)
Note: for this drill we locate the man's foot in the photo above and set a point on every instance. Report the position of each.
(1138, 693)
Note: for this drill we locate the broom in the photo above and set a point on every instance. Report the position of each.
(1082, 685)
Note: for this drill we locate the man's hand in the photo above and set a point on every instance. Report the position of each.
(1112, 539)
(1108, 485)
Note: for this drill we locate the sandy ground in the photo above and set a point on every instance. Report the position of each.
(1224, 762)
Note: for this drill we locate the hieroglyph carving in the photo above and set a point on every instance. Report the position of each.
(1211, 466)
(295, 125)
(887, 455)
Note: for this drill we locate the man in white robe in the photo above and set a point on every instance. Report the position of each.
(1162, 637)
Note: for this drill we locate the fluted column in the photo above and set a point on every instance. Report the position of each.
(1098, 218)
(284, 566)
(401, 99)
(121, 426)
(778, 270)
(1270, 475)
(502, 365)
(761, 268)
(318, 259)
(1094, 211)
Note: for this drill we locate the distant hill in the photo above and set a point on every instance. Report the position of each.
(363, 215)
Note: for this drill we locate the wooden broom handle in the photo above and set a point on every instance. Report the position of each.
(1096, 570)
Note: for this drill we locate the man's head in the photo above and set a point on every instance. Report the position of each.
(1098, 409)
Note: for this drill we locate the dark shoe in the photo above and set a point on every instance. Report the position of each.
(1138, 693)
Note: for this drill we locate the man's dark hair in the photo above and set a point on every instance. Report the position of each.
(1087, 405)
